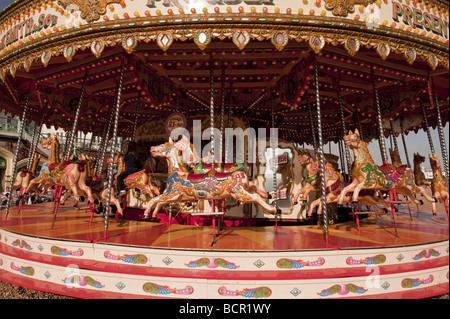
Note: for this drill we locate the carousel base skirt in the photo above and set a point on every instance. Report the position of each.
(136, 259)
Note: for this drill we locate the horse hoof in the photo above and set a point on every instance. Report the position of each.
(154, 219)
(295, 203)
(145, 217)
(269, 196)
(305, 201)
(385, 210)
(435, 199)
(82, 199)
(355, 202)
(421, 202)
(278, 211)
(96, 202)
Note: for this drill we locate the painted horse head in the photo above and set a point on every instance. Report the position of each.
(162, 150)
(418, 159)
(434, 161)
(395, 157)
(50, 141)
(352, 140)
(305, 157)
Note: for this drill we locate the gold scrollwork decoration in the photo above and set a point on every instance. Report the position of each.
(341, 8)
(90, 11)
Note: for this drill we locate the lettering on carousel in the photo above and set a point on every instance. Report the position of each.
(28, 27)
(417, 18)
(185, 3)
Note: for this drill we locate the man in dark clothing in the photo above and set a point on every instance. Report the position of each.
(131, 166)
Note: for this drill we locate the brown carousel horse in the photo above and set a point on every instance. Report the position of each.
(334, 183)
(141, 180)
(367, 175)
(439, 184)
(419, 176)
(182, 186)
(71, 176)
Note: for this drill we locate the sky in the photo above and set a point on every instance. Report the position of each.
(4, 3)
(414, 142)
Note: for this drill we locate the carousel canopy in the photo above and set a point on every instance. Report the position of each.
(260, 53)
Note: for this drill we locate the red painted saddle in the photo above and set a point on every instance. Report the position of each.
(197, 178)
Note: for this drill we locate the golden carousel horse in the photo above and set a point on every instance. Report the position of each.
(439, 184)
(419, 176)
(72, 176)
(367, 175)
(213, 185)
(334, 183)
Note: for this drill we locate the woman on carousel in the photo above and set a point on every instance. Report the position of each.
(130, 160)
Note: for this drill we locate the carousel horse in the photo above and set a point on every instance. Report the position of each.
(99, 187)
(24, 177)
(367, 175)
(141, 180)
(188, 161)
(334, 183)
(395, 158)
(191, 162)
(439, 184)
(419, 176)
(71, 176)
(182, 186)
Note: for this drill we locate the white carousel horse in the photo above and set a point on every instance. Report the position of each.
(182, 186)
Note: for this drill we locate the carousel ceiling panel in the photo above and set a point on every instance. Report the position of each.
(259, 56)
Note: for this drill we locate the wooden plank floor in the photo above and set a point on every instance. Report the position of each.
(73, 224)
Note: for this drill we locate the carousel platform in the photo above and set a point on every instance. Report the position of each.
(138, 259)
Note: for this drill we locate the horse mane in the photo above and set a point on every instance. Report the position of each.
(334, 172)
(35, 163)
(363, 147)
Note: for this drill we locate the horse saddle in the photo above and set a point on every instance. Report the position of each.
(198, 178)
(387, 169)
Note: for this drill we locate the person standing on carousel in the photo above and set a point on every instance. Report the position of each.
(131, 165)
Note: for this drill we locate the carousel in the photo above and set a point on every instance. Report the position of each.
(230, 105)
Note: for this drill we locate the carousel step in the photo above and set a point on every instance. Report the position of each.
(208, 214)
